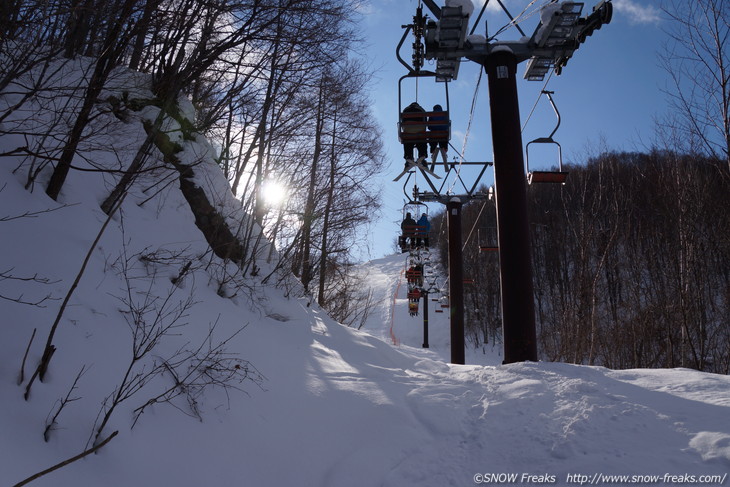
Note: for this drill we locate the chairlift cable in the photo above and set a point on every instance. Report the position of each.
(514, 21)
(484, 205)
(468, 129)
(537, 101)
(521, 17)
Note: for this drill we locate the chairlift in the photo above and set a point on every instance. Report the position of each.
(414, 297)
(485, 244)
(414, 274)
(413, 236)
(558, 176)
(423, 127)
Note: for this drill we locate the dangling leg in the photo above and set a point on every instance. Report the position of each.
(408, 153)
(422, 147)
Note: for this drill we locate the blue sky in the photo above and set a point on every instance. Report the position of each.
(608, 95)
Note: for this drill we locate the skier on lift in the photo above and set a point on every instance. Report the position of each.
(408, 230)
(438, 145)
(424, 227)
(414, 128)
(414, 297)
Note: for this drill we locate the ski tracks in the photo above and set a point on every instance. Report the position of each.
(547, 419)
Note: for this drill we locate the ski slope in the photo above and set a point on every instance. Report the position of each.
(391, 322)
(346, 408)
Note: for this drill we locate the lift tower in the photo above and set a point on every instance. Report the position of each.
(556, 38)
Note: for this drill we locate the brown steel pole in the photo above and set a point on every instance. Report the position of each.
(515, 265)
(456, 280)
(424, 293)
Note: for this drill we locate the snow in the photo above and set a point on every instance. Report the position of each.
(476, 39)
(335, 407)
(502, 48)
(548, 11)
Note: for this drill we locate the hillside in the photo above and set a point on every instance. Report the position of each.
(236, 382)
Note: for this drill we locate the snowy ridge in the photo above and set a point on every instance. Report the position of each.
(335, 406)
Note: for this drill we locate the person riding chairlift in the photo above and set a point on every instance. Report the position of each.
(424, 227)
(408, 229)
(414, 275)
(440, 145)
(414, 128)
(413, 308)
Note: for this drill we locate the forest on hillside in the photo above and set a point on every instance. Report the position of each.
(631, 263)
(631, 258)
(277, 87)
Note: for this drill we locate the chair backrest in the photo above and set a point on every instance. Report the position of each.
(424, 127)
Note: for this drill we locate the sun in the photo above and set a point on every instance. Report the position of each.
(274, 193)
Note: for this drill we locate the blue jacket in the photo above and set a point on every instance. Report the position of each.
(438, 118)
(424, 226)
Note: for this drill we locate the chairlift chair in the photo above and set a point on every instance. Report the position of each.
(487, 247)
(426, 126)
(412, 233)
(558, 176)
(414, 275)
(414, 295)
(414, 127)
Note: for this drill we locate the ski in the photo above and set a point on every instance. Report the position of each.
(420, 166)
(426, 169)
(408, 168)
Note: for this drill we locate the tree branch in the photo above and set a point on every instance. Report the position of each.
(67, 462)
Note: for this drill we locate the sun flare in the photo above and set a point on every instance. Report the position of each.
(274, 193)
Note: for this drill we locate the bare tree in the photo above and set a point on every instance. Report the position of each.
(155, 320)
(62, 464)
(631, 262)
(111, 50)
(697, 59)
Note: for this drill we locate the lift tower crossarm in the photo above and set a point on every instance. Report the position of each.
(435, 9)
(560, 33)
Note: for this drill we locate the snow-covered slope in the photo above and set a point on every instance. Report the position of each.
(334, 406)
(390, 319)
(340, 407)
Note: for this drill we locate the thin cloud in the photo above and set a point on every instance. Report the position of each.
(637, 13)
